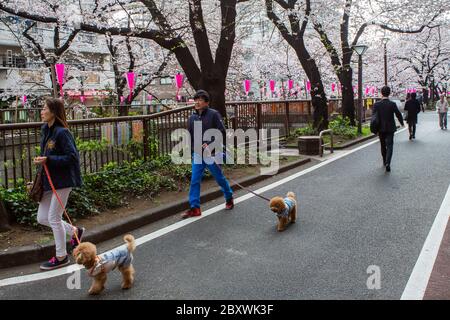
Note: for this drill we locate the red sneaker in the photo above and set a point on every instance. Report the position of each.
(192, 212)
(229, 204)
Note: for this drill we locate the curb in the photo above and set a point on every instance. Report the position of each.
(36, 253)
(343, 146)
(352, 143)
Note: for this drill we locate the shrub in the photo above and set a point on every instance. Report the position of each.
(306, 131)
(341, 127)
(22, 209)
(106, 189)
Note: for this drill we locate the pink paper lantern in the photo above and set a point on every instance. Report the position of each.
(333, 87)
(24, 99)
(59, 68)
(308, 86)
(272, 85)
(130, 80)
(179, 80)
(179, 83)
(150, 98)
(290, 84)
(247, 84)
(122, 99)
(367, 91)
(82, 99)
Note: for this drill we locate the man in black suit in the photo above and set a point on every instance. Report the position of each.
(386, 110)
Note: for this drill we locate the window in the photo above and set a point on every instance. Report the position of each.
(9, 58)
(166, 80)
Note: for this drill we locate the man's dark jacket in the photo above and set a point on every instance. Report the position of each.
(386, 110)
(210, 119)
(413, 108)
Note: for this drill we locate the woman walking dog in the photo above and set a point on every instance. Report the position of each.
(59, 153)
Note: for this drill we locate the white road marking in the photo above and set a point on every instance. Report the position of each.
(180, 224)
(418, 281)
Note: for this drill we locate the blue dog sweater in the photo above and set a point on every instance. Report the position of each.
(120, 257)
(289, 205)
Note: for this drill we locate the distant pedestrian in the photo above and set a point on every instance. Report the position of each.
(408, 97)
(442, 108)
(412, 106)
(386, 110)
(420, 99)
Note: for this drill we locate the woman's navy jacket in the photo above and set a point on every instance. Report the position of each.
(63, 160)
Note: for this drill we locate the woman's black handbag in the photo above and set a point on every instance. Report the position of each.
(35, 189)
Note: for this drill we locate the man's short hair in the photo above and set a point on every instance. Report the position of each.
(201, 94)
(385, 91)
(413, 95)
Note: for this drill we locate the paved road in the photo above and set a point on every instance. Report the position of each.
(352, 215)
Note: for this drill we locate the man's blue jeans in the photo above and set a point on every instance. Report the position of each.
(198, 167)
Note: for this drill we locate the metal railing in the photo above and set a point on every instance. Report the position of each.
(118, 139)
(322, 145)
(79, 111)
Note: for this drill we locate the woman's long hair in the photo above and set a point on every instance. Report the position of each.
(56, 106)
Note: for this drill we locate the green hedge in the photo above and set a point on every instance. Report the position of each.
(106, 189)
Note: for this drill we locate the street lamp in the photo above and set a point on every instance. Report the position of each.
(385, 41)
(360, 50)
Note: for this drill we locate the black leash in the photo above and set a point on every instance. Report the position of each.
(247, 189)
(238, 184)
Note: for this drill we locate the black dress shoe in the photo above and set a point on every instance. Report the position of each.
(388, 168)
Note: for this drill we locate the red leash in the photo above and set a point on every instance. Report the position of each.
(60, 201)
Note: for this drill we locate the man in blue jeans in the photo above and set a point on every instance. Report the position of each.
(209, 119)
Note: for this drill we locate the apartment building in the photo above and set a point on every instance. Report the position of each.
(88, 66)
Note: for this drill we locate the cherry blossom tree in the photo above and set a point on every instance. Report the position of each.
(135, 55)
(342, 24)
(424, 59)
(298, 14)
(178, 26)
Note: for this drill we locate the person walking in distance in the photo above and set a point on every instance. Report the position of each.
(442, 108)
(386, 110)
(412, 106)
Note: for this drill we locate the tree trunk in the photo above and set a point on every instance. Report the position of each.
(425, 95)
(217, 96)
(123, 107)
(318, 96)
(320, 105)
(348, 98)
(214, 84)
(4, 218)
